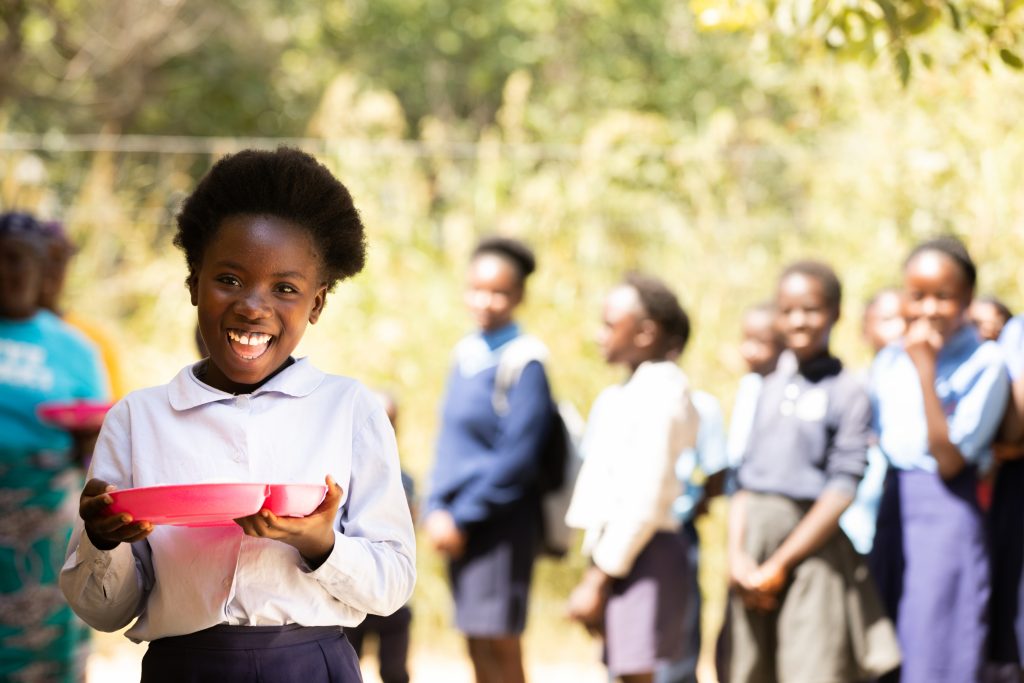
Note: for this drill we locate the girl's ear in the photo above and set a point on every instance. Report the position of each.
(647, 333)
(319, 301)
(193, 288)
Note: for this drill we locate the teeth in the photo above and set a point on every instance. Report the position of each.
(249, 338)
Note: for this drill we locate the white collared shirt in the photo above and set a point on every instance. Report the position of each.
(298, 427)
(627, 484)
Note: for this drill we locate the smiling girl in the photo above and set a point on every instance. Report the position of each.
(266, 235)
(803, 607)
(939, 396)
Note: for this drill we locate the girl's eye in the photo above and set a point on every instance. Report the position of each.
(228, 280)
(287, 289)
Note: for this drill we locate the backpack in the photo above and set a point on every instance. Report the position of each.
(560, 460)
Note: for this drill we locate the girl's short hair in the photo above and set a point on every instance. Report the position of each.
(288, 184)
(512, 250)
(662, 306)
(953, 248)
(831, 288)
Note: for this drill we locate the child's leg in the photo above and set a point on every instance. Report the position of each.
(497, 660)
(394, 647)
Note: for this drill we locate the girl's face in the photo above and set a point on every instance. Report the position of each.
(257, 287)
(883, 321)
(626, 336)
(493, 291)
(21, 277)
(935, 290)
(987, 318)
(804, 317)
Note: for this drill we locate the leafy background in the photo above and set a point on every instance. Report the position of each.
(709, 143)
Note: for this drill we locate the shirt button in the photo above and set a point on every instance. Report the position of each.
(242, 402)
(237, 457)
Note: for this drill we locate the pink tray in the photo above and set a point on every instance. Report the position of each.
(74, 414)
(215, 504)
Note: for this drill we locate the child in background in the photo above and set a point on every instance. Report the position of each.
(701, 471)
(938, 397)
(392, 631)
(882, 324)
(266, 235)
(989, 315)
(484, 508)
(803, 607)
(42, 359)
(1006, 522)
(634, 592)
(760, 348)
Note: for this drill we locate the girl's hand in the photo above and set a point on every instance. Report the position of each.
(312, 535)
(587, 601)
(922, 343)
(444, 534)
(767, 582)
(745, 578)
(107, 531)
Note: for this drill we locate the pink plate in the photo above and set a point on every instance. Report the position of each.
(295, 500)
(190, 504)
(74, 414)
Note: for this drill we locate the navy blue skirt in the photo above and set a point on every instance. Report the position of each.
(1006, 526)
(931, 562)
(644, 619)
(491, 581)
(275, 654)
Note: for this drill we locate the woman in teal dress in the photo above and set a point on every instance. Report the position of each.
(41, 359)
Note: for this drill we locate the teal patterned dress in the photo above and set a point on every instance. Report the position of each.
(41, 359)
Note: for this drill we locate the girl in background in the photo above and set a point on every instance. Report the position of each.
(634, 593)
(939, 396)
(802, 605)
(483, 510)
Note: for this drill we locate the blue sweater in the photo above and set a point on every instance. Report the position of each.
(487, 463)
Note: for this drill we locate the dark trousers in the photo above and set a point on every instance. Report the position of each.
(261, 654)
(393, 637)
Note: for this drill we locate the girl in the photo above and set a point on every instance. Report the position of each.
(484, 506)
(938, 396)
(803, 608)
(635, 591)
(41, 359)
(266, 235)
(1006, 521)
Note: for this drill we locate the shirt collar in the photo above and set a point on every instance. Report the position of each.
(497, 338)
(963, 341)
(187, 391)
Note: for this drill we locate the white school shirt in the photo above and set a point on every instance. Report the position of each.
(298, 427)
(627, 483)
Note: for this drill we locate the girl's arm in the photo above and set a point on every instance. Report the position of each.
(922, 344)
(1010, 444)
(810, 534)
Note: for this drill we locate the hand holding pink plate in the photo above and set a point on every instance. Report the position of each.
(215, 504)
(74, 415)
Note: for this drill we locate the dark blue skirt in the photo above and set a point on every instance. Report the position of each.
(491, 581)
(275, 654)
(930, 560)
(1006, 525)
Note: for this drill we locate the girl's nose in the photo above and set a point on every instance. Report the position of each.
(929, 306)
(252, 306)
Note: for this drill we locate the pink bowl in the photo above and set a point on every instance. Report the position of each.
(75, 414)
(295, 500)
(190, 504)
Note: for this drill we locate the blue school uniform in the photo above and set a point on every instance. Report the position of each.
(930, 555)
(1006, 526)
(486, 476)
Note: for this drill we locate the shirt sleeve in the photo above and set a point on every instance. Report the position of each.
(711, 445)
(846, 456)
(524, 430)
(978, 414)
(650, 484)
(373, 564)
(1011, 340)
(108, 588)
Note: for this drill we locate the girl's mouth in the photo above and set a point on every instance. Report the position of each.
(249, 345)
